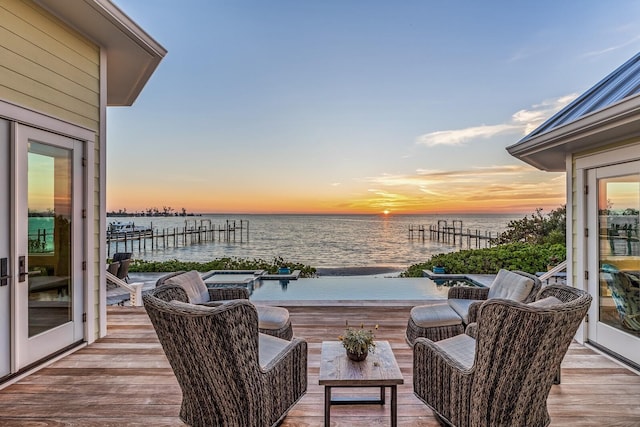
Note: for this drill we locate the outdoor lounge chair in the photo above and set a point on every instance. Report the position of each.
(500, 372)
(441, 319)
(119, 266)
(229, 373)
(271, 320)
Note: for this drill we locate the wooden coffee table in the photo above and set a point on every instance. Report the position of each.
(380, 369)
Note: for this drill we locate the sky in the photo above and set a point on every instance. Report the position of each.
(353, 106)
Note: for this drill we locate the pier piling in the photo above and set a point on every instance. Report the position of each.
(452, 232)
(176, 236)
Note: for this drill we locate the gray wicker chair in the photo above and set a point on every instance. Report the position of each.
(280, 328)
(460, 309)
(500, 372)
(229, 373)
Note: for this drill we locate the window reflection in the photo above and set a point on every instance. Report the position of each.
(49, 236)
(619, 218)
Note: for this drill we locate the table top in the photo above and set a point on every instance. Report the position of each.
(380, 368)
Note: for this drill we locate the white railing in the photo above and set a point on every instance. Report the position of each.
(552, 273)
(135, 289)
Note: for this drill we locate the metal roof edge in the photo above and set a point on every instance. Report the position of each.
(589, 93)
(549, 151)
(588, 124)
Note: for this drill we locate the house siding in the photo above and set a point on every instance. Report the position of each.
(48, 67)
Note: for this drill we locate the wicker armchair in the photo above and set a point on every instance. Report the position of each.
(502, 377)
(438, 320)
(229, 373)
(271, 320)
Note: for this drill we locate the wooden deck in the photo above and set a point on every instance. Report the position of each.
(124, 379)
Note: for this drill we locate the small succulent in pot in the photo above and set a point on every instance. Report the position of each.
(358, 342)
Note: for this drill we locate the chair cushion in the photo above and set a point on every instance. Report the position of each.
(269, 347)
(510, 285)
(461, 348)
(434, 314)
(546, 302)
(461, 306)
(272, 317)
(193, 285)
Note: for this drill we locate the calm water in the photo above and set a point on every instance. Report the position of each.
(351, 288)
(318, 240)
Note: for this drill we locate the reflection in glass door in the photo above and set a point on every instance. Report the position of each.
(49, 236)
(618, 260)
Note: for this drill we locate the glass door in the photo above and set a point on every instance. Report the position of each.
(614, 258)
(49, 303)
(5, 259)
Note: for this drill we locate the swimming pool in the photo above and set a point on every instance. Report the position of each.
(352, 288)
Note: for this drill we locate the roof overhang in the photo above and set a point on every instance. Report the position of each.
(548, 151)
(132, 54)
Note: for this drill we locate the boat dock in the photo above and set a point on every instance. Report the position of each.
(193, 232)
(453, 233)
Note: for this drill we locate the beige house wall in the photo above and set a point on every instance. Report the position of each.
(580, 210)
(48, 67)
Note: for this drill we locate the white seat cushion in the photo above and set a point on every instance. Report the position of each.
(510, 285)
(461, 348)
(461, 306)
(434, 314)
(269, 347)
(193, 285)
(272, 317)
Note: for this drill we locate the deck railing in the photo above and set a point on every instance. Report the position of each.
(134, 289)
(553, 273)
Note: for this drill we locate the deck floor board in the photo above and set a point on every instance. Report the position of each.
(124, 379)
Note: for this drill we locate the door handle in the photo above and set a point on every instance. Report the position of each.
(22, 269)
(4, 277)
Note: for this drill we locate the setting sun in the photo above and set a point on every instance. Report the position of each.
(386, 212)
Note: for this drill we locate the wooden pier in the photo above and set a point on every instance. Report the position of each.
(453, 233)
(191, 233)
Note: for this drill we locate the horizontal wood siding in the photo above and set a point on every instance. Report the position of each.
(48, 67)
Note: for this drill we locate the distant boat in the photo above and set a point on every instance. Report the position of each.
(122, 228)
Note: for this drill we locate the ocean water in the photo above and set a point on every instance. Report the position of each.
(321, 241)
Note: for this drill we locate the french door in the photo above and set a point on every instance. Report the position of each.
(613, 257)
(5, 250)
(47, 269)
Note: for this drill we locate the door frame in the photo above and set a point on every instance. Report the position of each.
(5, 247)
(29, 349)
(578, 194)
(92, 278)
(616, 340)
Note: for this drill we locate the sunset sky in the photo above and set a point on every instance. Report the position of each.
(353, 106)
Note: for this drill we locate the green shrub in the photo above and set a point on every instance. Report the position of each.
(142, 266)
(531, 258)
(538, 229)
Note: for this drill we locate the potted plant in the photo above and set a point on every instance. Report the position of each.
(284, 270)
(552, 262)
(358, 342)
(438, 269)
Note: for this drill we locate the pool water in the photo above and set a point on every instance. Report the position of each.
(352, 288)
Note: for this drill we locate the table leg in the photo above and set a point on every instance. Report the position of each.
(394, 406)
(327, 406)
(382, 395)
